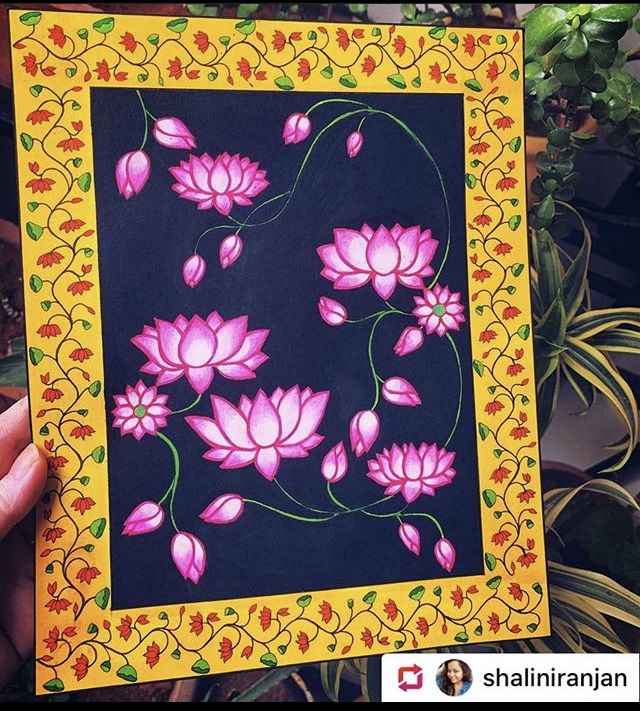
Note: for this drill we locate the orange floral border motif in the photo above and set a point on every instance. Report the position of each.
(81, 642)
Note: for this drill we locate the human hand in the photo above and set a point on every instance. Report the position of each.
(23, 472)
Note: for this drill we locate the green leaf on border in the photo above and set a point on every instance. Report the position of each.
(417, 82)
(176, 654)
(98, 455)
(483, 430)
(201, 667)
(327, 72)
(153, 39)
(34, 231)
(524, 332)
(516, 269)
(102, 598)
(35, 355)
(397, 80)
(83, 33)
(417, 593)
(473, 84)
(178, 25)
(269, 660)
(489, 497)
(30, 19)
(128, 673)
(105, 25)
(53, 684)
(92, 628)
(27, 141)
(304, 601)
(84, 182)
(370, 597)
(514, 222)
(349, 81)
(284, 83)
(97, 527)
(437, 32)
(246, 27)
(494, 583)
(462, 637)
(95, 388)
(478, 366)
(35, 283)
(470, 180)
(106, 666)
(490, 561)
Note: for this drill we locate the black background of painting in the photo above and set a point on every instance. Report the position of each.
(143, 243)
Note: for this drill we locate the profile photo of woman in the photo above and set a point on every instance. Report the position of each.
(454, 677)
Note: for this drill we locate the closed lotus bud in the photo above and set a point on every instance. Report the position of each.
(334, 465)
(172, 133)
(332, 311)
(225, 509)
(132, 173)
(410, 536)
(230, 250)
(410, 340)
(399, 391)
(296, 128)
(363, 431)
(189, 555)
(445, 554)
(193, 270)
(146, 517)
(354, 144)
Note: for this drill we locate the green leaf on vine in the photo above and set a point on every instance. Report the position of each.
(89, 547)
(102, 598)
(417, 593)
(49, 569)
(304, 601)
(327, 72)
(83, 33)
(34, 231)
(489, 497)
(397, 80)
(470, 180)
(524, 332)
(494, 583)
(501, 39)
(538, 588)
(201, 667)
(142, 77)
(269, 660)
(483, 430)
(77, 162)
(370, 597)
(490, 561)
(284, 83)
(515, 144)
(71, 72)
(473, 84)
(479, 310)
(529, 523)
(531, 462)
(212, 76)
(35, 355)
(350, 603)
(104, 26)
(331, 648)
(44, 431)
(349, 81)
(75, 106)
(95, 388)
(176, 654)
(437, 32)
(516, 269)
(106, 666)
(437, 591)
(84, 182)
(417, 82)
(163, 616)
(497, 453)
(478, 366)
(92, 628)
(398, 644)
(128, 673)
(525, 400)
(376, 32)
(511, 289)
(246, 27)
(497, 514)
(30, 19)
(491, 389)
(33, 206)
(97, 527)
(84, 480)
(88, 252)
(53, 684)
(503, 99)
(282, 649)
(35, 283)
(453, 37)
(312, 35)
(153, 39)
(225, 40)
(532, 627)
(27, 141)
(478, 630)
(515, 75)
(36, 89)
(83, 412)
(462, 637)
(514, 222)
(178, 25)
(229, 611)
(86, 324)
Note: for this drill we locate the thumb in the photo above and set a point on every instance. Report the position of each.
(21, 487)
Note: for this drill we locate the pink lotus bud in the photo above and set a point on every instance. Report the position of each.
(225, 509)
(132, 173)
(363, 431)
(410, 340)
(400, 392)
(334, 465)
(410, 536)
(445, 554)
(296, 128)
(354, 144)
(332, 311)
(230, 250)
(172, 133)
(193, 270)
(146, 517)
(189, 555)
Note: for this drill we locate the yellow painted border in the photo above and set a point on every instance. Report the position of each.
(80, 642)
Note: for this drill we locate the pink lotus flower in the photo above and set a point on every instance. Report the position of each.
(412, 471)
(385, 257)
(189, 555)
(410, 536)
(141, 411)
(399, 391)
(363, 431)
(445, 554)
(225, 509)
(331, 311)
(439, 310)
(146, 517)
(218, 183)
(193, 270)
(230, 250)
(195, 348)
(132, 173)
(354, 144)
(410, 340)
(172, 133)
(263, 431)
(296, 128)
(334, 464)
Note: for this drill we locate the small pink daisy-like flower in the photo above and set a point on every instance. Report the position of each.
(141, 411)
(439, 310)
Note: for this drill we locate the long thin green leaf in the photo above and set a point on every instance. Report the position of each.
(587, 620)
(547, 400)
(617, 340)
(331, 678)
(272, 678)
(591, 323)
(583, 389)
(603, 593)
(548, 267)
(574, 283)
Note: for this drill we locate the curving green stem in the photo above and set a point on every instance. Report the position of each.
(376, 378)
(171, 491)
(146, 113)
(335, 499)
(431, 518)
(304, 519)
(291, 497)
(336, 101)
(188, 407)
(457, 355)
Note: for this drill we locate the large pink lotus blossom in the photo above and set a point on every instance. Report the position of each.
(195, 348)
(264, 430)
(219, 183)
(141, 411)
(439, 310)
(384, 256)
(412, 471)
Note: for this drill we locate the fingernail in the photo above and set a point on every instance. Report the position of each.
(28, 457)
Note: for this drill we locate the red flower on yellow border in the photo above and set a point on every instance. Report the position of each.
(226, 649)
(81, 667)
(525, 496)
(367, 637)
(125, 627)
(488, 336)
(265, 618)
(516, 591)
(303, 642)
(515, 369)
(479, 148)
(500, 537)
(102, 70)
(82, 504)
(201, 41)
(52, 534)
(494, 622)
(469, 45)
(492, 407)
(197, 624)
(506, 183)
(399, 45)
(391, 609)
(71, 144)
(175, 68)
(482, 220)
(278, 41)
(39, 116)
(304, 69)
(51, 640)
(81, 354)
(520, 432)
(152, 655)
(342, 38)
(502, 248)
(369, 65)
(326, 611)
(422, 626)
(49, 330)
(435, 72)
(49, 259)
(504, 122)
(457, 596)
(481, 274)
(492, 71)
(82, 431)
(30, 65)
(527, 559)
(57, 35)
(500, 474)
(86, 575)
(244, 68)
(79, 287)
(511, 312)
(128, 41)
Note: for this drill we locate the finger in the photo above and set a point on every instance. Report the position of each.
(15, 433)
(21, 488)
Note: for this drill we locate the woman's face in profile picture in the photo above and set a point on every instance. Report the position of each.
(454, 672)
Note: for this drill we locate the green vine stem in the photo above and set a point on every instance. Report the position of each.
(171, 491)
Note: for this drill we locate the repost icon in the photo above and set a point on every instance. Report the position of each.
(410, 678)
